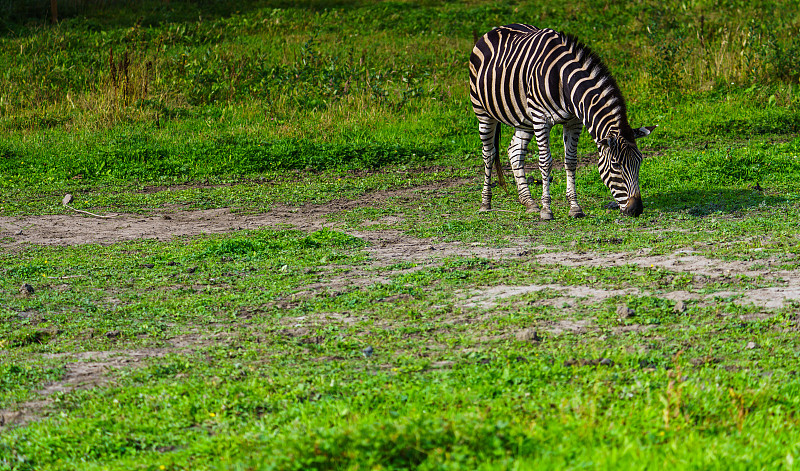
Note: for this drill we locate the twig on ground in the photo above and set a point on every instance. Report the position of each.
(68, 199)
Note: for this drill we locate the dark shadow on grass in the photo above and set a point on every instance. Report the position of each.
(705, 202)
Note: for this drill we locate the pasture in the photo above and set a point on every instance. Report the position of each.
(293, 274)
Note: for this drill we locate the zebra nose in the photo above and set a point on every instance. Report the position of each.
(634, 207)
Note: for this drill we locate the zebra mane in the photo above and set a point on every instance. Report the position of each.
(592, 62)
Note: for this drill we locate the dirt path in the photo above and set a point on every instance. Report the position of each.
(171, 222)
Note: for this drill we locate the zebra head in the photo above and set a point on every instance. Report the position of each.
(619, 164)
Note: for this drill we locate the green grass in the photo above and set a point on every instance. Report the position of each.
(246, 350)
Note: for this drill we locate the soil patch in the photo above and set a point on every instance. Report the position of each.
(680, 261)
(170, 222)
(86, 370)
(488, 298)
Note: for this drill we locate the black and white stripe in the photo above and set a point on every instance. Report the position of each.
(532, 79)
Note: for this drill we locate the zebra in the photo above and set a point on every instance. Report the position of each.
(532, 79)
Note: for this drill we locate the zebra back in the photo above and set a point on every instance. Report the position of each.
(524, 76)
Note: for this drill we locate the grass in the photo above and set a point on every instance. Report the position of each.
(281, 348)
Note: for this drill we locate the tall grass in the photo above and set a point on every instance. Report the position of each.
(392, 73)
(698, 48)
(390, 53)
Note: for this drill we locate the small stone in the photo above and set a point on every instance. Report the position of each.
(113, 334)
(191, 270)
(26, 290)
(751, 345)
(67, 199)
(679, 307)
(606, 362)
(528, 335)
(624, 312)
(368, 351)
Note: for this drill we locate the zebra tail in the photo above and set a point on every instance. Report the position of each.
(498, 168)
(501, 180)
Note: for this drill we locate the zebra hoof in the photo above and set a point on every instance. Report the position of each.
(576, 213)
(485, 207)
(546, 215)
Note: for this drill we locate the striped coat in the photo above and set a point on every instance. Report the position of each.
(532, 79)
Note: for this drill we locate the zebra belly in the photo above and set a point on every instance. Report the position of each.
(512, 106)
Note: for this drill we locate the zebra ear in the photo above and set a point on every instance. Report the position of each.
(641, 132)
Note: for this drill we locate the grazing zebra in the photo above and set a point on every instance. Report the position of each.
(532, 79)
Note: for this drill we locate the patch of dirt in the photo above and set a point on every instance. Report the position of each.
(577, 326)
(686, 262)
(486, 299)
(681, 261)
(68, 229)
(386, 220)
(390, 247)
(86, 370)
(570, 296)
(766, 298)
(171, 222)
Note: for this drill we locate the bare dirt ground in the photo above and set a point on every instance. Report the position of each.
(85, 370)
(171, 222)
(386, 247)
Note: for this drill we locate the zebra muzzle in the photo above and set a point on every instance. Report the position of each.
(634, 207)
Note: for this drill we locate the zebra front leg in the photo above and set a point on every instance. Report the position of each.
(572, 132)
(545, 166)
(490, 137)
(516, 154)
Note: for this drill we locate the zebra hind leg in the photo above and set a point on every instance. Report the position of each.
(490, 137)
(545, 166)
(516, 153)
(572, 131)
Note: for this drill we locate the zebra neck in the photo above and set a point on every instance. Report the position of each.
(596, 100)
(602, 115)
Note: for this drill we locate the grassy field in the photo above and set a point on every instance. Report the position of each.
(296, 275)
